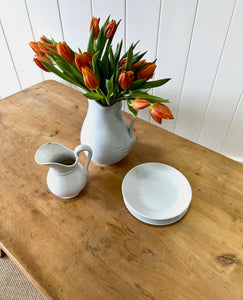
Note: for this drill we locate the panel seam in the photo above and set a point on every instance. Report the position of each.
(231, 122)
(60, 19)
(156, 47)
(32, 30)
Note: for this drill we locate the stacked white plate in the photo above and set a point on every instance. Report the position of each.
(156, 193)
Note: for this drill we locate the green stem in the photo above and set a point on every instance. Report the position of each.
(94, 45)
(120, 99)
(99, 92)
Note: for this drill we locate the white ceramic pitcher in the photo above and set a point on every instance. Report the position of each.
(106, 131)
(66, 176)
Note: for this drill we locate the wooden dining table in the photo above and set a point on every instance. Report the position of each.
(91, 247)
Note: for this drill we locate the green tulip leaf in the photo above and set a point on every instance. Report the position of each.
(109, 86)
(90, 47)
(94, 96)
(132, 110)
(150, 98)
(129, 59)
(112, 59)
(106, 65)
(118, 52)
(137, 57)
(136, 84)
(51, 58)
(154, 83)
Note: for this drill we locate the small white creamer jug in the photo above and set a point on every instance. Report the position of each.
(66, 176)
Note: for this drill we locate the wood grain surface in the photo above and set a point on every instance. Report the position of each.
(91, 247)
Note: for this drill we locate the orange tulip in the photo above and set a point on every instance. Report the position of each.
(139, 63)
(110, 29)
(125, 79)
(43, 40)
(44, 49)
(39, 58)
(90, 79)
(140, 103)
(95, 22)
(83, 60)
(159, 111)
(63, 50)
(123, 63)
(35, 47)
(147, 71)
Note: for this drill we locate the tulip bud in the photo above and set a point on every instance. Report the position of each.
(83, 60)
(43, 48)
(147, 71)
(39, 58)
(44, 41)
(125, 79)
(140, 103)
(63, 50)
(123, 63)
(95, 22)
(139, 63)
(159, 111)
(110, 29)
(90, 79)
(35, 47)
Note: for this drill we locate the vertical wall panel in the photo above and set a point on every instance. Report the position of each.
(18, 33)
(75, 21)
(227, 88)
(176, 23)
(208, 38)
(142, 19)
(8, 79)
(45, 20)
(233, 146)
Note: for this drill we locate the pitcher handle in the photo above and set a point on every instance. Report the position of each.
(131, 125)
(81, 148)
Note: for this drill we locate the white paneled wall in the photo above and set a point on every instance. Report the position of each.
(197, 43)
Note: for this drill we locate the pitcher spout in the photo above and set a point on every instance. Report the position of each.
(56, 156)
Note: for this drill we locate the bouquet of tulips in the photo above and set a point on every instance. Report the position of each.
(105, 75)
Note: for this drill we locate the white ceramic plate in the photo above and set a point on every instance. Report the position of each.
(156, 192)
(151, 221)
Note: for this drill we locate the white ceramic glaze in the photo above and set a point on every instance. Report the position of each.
(66, 176)
(106, 131)
(156, 193)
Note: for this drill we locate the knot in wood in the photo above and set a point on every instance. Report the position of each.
(227, 259)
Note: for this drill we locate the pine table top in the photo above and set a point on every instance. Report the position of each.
(91, 247)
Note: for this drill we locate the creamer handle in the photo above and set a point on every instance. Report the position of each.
(81, 148)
